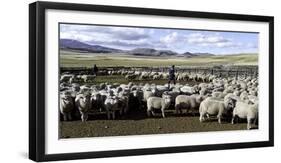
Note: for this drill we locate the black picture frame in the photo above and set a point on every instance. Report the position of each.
(37, 80)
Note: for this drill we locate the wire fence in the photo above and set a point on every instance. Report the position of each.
(222, 71)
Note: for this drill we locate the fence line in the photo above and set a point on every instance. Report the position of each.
(251, 71)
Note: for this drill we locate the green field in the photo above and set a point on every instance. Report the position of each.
(75, 59)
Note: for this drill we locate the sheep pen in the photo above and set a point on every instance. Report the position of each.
(128, 87)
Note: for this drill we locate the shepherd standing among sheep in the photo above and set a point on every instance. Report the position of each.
(95, 70)
(172, 76)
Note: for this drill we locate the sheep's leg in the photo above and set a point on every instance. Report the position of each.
(148, 112)
(108, 115)
(69, 116)
(219, 118)
(65, 117)
(121, 111)
(249, 123)
(233, 119)
(255, 121)
(83, 117)
(86, 116)
(126, 108)
(177, 109)
(113, 115)
(152, 112)
(163, 112)
(201, 118)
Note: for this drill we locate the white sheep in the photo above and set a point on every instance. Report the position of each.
(111, 105)
(245, 111)
(215, 106)
(158, 103)
(65, 77)
(190, 103)
(66, 105)
(88, 78)
(84, 104)
(188, 90)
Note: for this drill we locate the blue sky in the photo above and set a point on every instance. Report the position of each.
(177, 40)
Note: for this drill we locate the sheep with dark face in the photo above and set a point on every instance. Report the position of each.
(97, 102)
(66, 105)
(137, 98)
(84, 104)
(158, 103)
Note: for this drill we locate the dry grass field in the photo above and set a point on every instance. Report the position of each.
(74, 59)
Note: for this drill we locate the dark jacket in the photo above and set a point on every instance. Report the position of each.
(171, 73)
(95, 69)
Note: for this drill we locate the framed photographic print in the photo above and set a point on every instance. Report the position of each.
(108, 81)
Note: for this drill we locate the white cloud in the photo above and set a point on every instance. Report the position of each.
(213, 40)
(105, 35)
(170, 38)
(128, 38)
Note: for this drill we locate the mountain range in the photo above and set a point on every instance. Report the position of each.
(74, 45)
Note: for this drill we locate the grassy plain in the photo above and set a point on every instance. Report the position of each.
(76, 59)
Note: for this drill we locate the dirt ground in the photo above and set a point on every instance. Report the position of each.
(137, 123)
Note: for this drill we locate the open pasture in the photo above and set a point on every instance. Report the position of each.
(75, 59)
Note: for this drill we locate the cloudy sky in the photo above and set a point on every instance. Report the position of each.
(177, 40)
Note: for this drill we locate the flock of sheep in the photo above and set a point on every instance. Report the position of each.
(139, 75)
(213, 96)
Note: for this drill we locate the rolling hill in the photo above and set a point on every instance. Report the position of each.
(81, 47)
